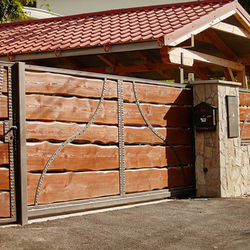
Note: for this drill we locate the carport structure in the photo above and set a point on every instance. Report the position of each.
(208, 38)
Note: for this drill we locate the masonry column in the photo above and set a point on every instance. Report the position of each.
(212, 147)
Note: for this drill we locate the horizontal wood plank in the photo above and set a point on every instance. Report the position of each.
(176, 179)
(3, 107)
(72, 157)
(243, 113)
(4, 179)
(92, 157)
(155, 179)
(48, 83)
(4, 153)
(244, 99)
(146, 180)
(156, 156)
(56, 108)
(158, 115)
(1, 130)
(4, 89)
(73, 186)
(4, 204)
(246, 131)
(157, 94)
(58, 131)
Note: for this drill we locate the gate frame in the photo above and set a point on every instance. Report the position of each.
(25, 212)
(17, 152)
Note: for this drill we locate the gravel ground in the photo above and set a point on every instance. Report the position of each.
(172, 224)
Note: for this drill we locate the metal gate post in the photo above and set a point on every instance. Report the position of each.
(121, 137)
(19, 117)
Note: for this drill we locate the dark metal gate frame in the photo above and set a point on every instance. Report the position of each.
(23, 210)
(15, 136)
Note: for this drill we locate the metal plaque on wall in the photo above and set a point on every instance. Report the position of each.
(232, 116)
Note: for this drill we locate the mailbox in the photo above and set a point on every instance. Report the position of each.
(205, 117)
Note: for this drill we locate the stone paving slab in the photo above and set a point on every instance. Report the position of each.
(172, 224)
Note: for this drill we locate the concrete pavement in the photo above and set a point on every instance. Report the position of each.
(170, 224)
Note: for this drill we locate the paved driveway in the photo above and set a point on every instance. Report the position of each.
(172, 224)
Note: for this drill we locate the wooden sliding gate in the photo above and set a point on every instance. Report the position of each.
(97, 140)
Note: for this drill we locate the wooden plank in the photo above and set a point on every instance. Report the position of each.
(48, 83)
(198, 71)
(243, 113)
(143, 135)
(72, 157)
(4, 90)
(246, 131)
(158, 94)
(241, 77)
(92, 157)
(158, 115)
(1, 130)
(4, 179)
(73, 186)
(244, 99)
(145, 180)
(54, 108)
(188, 58)
(156, 156)
(176, 179)
(216, 40)
(4, 204)
(58, 131)
(231, 29)
(155, 179)
(4, 153)
(41, 107)
(3, 107)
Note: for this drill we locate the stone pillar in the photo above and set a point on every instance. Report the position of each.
(214, 148)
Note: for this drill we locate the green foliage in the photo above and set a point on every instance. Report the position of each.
(245, 4)
(13, 9)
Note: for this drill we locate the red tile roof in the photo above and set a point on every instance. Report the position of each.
(98, 29)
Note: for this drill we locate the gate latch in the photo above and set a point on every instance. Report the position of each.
(7, 130)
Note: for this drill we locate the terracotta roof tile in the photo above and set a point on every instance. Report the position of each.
(108, 27)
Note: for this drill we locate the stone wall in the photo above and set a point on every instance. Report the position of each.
(222, 163)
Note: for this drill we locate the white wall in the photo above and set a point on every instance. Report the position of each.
(71, 7)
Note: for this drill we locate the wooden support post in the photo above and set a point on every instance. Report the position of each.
(241, 77)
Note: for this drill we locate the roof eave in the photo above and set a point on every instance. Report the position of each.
(116, 48)
(201, 24)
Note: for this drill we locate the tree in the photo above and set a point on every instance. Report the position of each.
(13, 9)
(245, 4)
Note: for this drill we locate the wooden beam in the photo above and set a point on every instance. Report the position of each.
(244, 60)
(202, 38)
(241, 77)
(231, 29)
(151, 62)
(199, 72)
(72, 62)
(216, 40)
(228, 73)
(111, 62)
(187, 57)
(132, 68)
(107, 59)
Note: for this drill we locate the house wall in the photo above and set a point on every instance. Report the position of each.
(65, 7)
